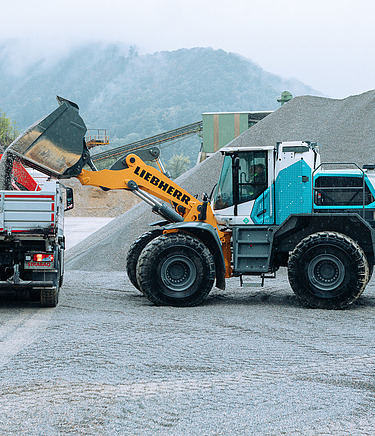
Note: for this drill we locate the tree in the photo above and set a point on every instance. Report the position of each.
(178, 164)
(8, 131)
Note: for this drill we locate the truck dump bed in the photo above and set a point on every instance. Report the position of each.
(24, 211)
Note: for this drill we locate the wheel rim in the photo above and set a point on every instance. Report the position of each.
(178, 273)
(326, 272)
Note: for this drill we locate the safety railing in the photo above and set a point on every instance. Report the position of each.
(323, 190)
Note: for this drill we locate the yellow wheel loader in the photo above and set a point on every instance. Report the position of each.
(273, 206)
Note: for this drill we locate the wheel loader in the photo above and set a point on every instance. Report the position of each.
(273, 206)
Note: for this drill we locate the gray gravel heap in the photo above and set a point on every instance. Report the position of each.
(345, 130)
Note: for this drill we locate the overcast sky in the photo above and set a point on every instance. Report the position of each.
(327, 44)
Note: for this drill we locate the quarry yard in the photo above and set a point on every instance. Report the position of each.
(248, 361)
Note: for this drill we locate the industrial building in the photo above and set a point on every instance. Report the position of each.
(220, 128)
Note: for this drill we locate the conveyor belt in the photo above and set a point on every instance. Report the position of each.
(171, 135)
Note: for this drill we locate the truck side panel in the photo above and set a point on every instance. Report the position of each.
(22, 211)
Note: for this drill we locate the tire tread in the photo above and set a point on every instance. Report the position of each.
(352, 248)
(147, 280)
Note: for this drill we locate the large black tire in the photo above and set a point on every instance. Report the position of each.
(328, 270)
(134, 252)
(49, 297)
(176, 270)
(371, 270)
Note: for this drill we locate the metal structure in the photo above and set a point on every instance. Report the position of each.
(285, 97)
(95, 137)
(220, 128)
(152, 141)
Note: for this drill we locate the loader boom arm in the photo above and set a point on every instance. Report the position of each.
(139, 175)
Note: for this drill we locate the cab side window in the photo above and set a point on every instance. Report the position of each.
(253, 175)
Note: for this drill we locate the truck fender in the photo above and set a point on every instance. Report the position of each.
(209, 236)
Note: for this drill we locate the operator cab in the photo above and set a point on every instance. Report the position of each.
(246, 174)
(264, 185)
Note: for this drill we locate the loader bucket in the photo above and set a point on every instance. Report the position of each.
(54, 145)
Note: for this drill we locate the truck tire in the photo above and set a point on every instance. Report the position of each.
(328, 270)
(176, 269)
(134, 252)
(49, 297)
(370, 272)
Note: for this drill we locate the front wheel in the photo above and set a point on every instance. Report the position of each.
(328, 270)
(176, 270)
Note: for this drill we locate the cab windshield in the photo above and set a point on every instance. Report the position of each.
(250, 180)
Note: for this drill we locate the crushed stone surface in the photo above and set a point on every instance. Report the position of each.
(90, 201)
(248, 361)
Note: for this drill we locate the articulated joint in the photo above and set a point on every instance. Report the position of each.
(132, 185)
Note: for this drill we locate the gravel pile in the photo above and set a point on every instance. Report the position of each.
(90, 201)
(345, 130)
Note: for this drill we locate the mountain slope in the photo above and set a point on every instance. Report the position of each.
(127, 93)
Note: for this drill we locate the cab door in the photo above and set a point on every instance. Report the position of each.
(244, 194)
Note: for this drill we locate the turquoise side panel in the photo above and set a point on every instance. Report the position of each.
(292, 194)
(262, 204)
(343, 207)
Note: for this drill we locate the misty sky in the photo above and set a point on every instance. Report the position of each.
(327, 44)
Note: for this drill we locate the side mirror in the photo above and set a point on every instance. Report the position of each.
(69, 199)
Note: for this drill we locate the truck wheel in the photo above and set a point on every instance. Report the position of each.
(328, 270)
(134, 252)
(370, 272)
(49, 297)
(176, 270)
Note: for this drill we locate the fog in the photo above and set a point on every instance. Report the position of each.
(327, 45)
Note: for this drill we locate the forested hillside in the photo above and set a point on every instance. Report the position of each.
(134, 96)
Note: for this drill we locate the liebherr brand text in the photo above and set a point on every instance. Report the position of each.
(171, 190)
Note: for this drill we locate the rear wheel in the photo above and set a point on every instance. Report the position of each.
(49, 297)
(371, 270)
(176, 270)
(328, 270)
(134, 252)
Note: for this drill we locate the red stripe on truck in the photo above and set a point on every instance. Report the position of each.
(51, 197)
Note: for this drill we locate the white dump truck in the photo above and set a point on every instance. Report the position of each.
(32, 241)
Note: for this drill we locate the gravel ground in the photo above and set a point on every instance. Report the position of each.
(248, 362)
